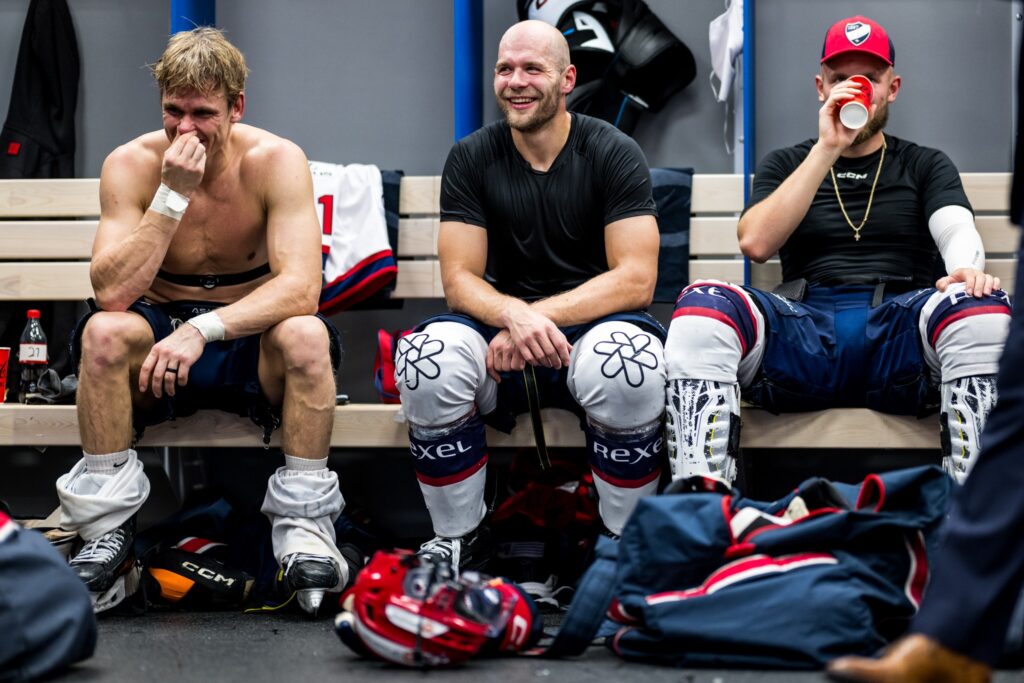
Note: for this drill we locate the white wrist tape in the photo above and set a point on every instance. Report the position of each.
(209, 325)
(169, 203)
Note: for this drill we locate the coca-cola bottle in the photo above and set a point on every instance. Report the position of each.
(32, 357)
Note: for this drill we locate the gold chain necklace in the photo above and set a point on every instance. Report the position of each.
(871, 196)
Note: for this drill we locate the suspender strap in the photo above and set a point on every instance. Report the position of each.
(533, 398)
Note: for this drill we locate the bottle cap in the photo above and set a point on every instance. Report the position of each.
(33, 313)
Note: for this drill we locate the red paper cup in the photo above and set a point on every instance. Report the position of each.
(5, 359)
(854, 112)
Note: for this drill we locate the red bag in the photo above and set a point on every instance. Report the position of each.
(384, 365)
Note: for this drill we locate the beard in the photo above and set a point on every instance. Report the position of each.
(545, 109)
(877, 123)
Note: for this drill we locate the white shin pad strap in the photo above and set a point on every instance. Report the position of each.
(302, 507)
(94, 504)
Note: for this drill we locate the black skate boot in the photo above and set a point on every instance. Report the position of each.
(311, 577)
(107, 567)
(470, 552)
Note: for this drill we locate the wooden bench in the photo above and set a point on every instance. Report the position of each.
(47, 228)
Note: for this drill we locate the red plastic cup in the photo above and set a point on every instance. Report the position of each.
(854, 112)
(5, 359)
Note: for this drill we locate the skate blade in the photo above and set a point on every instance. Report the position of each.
(310, 599)
(124, 587)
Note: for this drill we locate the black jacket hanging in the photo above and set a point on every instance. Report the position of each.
(38, 138)
(38, 141)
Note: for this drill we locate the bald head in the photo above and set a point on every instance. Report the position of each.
(539, 36)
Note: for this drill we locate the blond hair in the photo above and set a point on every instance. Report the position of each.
(203, 60)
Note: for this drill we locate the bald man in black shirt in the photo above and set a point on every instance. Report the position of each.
(548, 250)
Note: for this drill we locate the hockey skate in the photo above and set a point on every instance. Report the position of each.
(311, 577)
(469, 552)
(107, 567)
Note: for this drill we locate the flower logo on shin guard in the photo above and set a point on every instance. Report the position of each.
(628, 355)
(413, 358)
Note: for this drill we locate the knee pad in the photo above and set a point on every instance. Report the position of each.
(627, 465)
(441, 372)
(962, 335)
(450, 464)
(717, 333)
(617, 375)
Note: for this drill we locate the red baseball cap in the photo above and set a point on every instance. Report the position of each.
(858, 34)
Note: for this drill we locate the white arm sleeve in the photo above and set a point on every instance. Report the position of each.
(954, 232)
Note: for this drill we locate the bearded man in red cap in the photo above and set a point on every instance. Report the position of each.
(885, 302)
(958, 634)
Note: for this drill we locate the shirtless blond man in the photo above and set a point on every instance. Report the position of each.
(206, 269)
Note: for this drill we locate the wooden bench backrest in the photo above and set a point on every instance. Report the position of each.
(47, 228)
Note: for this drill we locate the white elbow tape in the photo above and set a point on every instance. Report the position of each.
(169, 203)
(954, 232)
(209, 325)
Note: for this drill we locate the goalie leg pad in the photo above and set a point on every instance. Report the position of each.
(966, 404)
(703, 427)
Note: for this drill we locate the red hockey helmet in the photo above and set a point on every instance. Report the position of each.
(413, 613)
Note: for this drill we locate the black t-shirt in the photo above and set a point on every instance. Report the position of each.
(545, 231)
(895, 242)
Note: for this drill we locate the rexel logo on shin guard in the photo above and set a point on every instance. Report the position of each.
(628, 460)
(442, 457)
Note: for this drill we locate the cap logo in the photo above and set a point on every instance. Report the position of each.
(857, 32)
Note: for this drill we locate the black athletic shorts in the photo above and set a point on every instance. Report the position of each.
(224, 378)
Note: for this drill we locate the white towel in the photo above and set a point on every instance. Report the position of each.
(725, 36)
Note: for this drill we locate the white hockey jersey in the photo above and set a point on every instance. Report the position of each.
(357, 257)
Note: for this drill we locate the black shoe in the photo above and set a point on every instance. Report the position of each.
(310, 577)
(471, 552)
(107, 567)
